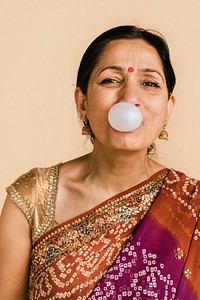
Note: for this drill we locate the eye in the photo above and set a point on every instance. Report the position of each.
(152, 84)
(110, 81)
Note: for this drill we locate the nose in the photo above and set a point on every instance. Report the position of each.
(129, 93)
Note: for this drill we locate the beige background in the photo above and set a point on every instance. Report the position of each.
(41, 45)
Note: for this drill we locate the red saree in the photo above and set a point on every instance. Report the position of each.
(141, 244)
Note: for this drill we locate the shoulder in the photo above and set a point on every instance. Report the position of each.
(74, 170)
(25, 184)
(183, 181)
(183, 188)
(31, 189)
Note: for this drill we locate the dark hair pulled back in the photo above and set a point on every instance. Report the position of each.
(95, 49)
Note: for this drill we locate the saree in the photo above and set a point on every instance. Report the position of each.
(143, 243)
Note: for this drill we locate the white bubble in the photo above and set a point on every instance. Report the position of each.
(124, 117)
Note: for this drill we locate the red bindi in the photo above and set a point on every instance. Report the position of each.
(130, 69)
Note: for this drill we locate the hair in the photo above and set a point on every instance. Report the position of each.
(94, 51)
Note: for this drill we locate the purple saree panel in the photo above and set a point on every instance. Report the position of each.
(144, 270)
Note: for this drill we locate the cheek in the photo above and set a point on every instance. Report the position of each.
(98, 104)
(156, 115)
(97, 113)
(157, 107)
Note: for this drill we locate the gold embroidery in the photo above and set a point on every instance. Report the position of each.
(36, 197)
(179, 253)
(49, 215)
(16, 196)
(188, 274)
(117, 216)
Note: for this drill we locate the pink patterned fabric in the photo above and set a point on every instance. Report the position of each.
(144, 272)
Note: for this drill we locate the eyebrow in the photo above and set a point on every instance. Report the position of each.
(149, 70)
(119, 68)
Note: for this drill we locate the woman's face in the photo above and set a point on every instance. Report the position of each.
(128, 70)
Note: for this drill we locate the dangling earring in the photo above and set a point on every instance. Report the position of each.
(164, 134)
(86, 130)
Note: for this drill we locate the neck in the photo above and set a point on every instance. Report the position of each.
(119, 170)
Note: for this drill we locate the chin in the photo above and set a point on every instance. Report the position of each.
(127, 143)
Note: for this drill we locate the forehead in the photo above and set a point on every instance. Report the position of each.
(131, 52)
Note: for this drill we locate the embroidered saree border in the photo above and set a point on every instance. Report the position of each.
(68, 237)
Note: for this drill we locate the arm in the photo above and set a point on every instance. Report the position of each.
(15, 249)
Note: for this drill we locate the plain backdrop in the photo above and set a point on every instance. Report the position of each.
(42, 42)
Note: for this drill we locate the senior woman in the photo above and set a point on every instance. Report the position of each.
(113, 224)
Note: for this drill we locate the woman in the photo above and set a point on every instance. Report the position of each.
(113, 224)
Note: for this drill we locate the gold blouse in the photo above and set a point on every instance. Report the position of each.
(35, 194)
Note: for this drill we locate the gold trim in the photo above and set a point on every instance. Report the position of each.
(18, 200)
(49, 216)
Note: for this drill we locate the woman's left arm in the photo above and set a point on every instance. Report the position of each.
(15, 249)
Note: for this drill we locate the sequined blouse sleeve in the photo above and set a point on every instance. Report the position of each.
(35, 194)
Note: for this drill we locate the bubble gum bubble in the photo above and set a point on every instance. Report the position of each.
(124, 117)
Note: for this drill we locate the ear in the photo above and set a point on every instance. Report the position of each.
(170, 105)
(81, 103)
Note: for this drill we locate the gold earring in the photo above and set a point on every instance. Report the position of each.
(164, 134)
(86, 130)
